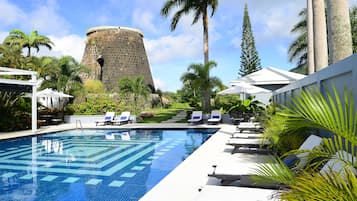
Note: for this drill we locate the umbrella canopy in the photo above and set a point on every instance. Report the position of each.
(244, 88)
(49, 93)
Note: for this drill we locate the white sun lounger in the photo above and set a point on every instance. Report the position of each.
(196, 117)
(123, 118)
(247, 135)
(231, 171)
(215, 117)
(250, 126)
(247, 143)
(108, 119)
(232, 193)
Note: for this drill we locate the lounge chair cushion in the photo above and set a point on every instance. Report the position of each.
(123, 118)
(196, 117)
(107, 118)
(215, 117)
(291, 160)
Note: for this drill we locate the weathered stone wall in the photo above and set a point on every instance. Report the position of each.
(121, 53)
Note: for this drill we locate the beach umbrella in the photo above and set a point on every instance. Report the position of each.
(244, 88)
(50, 93)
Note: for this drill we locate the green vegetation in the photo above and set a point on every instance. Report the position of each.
(307, 114)
(61, 74)
(249, 59)
(198, 78)
(135, 92)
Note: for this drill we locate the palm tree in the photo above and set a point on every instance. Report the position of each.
(298, 48)
(135, 89)
(339, 30)
(64, 75)
(33, 40)
(199, 7)
(11, 57)
(198, 76)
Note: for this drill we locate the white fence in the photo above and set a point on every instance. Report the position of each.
(342, 75)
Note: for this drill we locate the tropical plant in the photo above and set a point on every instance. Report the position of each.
(249, 59)
(134, 90)
(11, 57)
(65, 76)
(197, 76)
(94, 86)
(199, 7)
(18, 38)
(330, 113)
(247, 108)
(297, 50)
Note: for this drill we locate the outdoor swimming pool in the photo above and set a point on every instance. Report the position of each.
(95, 165)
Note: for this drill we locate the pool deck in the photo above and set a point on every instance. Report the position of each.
(184, 182)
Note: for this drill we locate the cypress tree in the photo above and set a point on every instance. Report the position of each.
(249, 59)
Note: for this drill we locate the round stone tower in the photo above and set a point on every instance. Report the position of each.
(113, 53)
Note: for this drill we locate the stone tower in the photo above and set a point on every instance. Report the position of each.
(113, 53)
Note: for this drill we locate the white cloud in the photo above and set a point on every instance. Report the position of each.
(46, 19)
(144, 20)
(159, 84)
(168, 48)
(70, 45)
(10, 14)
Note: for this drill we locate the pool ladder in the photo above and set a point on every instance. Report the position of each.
(78, 122)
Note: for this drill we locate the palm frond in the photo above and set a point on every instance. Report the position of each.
(274, 171)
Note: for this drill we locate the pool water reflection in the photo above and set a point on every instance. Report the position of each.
(92, 164)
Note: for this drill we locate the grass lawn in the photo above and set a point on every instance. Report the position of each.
(159, 115)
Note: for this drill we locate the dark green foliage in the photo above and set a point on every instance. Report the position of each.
(250, 61)
(14, 112)
(198, 78)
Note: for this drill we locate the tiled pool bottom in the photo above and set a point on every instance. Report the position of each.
(92, 165)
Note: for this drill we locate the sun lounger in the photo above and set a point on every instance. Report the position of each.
(250, 126)
(196, 117)
(231, 171)
(215, 117)
(232, 193)
(247, 135)
(334, 164)
(108, 119)
(123, 118)
(247, 143)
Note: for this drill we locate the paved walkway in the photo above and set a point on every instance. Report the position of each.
(179, 116)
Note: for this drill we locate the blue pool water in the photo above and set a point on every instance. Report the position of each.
(92, 165)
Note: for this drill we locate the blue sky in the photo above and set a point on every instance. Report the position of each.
(169, 53)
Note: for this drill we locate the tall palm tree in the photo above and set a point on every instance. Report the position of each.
(297, 50)
(198, 75)
(339, 30)
(199, 7)
(33, 40)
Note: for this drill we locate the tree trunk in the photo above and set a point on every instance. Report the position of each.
(310, 39)
(206, 102)
(205, 37)
(339, 30)
(320, 35)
